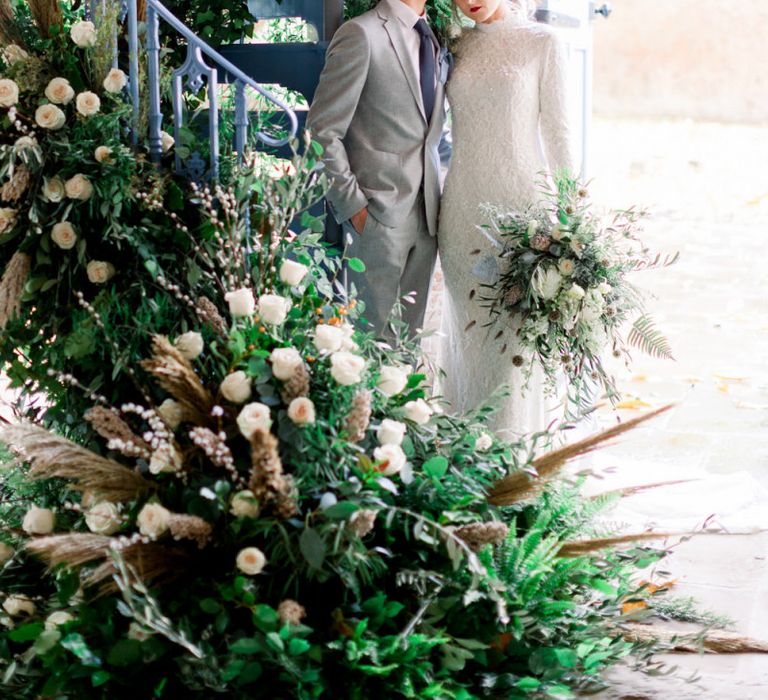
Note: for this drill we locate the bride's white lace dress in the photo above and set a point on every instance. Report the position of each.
(510, 124)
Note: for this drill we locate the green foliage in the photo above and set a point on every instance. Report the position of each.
(645, 336)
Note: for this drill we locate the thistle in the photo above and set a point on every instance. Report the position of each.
(291, 612)
(190, 527)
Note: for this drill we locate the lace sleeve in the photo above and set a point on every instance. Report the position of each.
(554, 118)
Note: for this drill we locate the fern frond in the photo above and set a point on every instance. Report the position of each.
(647, 338)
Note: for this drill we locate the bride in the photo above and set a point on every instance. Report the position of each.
(508, 103)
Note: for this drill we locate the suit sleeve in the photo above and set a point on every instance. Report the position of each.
(554, 118)
(332, 110)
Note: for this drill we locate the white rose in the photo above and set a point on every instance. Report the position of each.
(391, 432)
(13, 53)
(392, 380)
(83, 34)
(577, 247)
(57, 618)
(59, 91)
(25, 142)
(153, 520)
(576, 292)
(16, 605)
(241, 303)
(484, 442)
(171, 412)
(9, 93)
(6, 552)
(557, 234)
(99, 271)
(419, 411)
(302, 411)
(244, 505)
(165, 458)
(292, 272)
(190, 344)
(347, 331)
(53, 189)
(166, 141)
(546, 282)
(284, 362)
(64, 235)
(254, 416)
(273, 308)
(87, 103)
(604, 288)
(103, 518)
(38, 521)
(138, 633)
(236, 387)
(115, 81)
(328, 338)
(565, 266)
(103, 154)
(7, 218)
(251, 561)
(392, 456)
(78, 187)
(346, 368)
(49, 116)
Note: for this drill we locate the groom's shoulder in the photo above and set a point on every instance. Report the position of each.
(369, 21)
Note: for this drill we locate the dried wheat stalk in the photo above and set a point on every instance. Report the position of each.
(267, 481)
(153, 562)
(74, 549)
(521, 485)
(46, 14)
(209, 314)
(581, 547)
(714, 642)
(53, 456)
(112, 427)
(359, 417)
(12, 286)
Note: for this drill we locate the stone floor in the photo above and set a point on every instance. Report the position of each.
(707, 188)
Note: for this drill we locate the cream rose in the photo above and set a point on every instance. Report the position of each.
(38, 521)
(346, 368)
(7, 218)
(419, 411)
(251, 561)
(53, 189)
(484, 443)
(153, 520)
(14, 53)
(302, 411)
(103, 518)
(236, 387)
(254, 416)
(604, 288)
(64, 235)
(328, 338)
(25, 142)
(83, 34)
(172, 413)
(6, 552)
(190, 344)
(241, 303)
(57, 618)
(285, 361)
(79, 187)
(103, 154)
(273, 308)
(167, 141)
(292, 272)
(49, 116)
(347, 343)
(16, 605)
(88, 103)
(391, 432)
(565, 267)
(392, 380)
(9, 92)
(99, 271)
(576, 292)
(557, 234)
(546, 282)
(59, 91)
(577, 247)
(244, 505)
(165, 459)
(115, 81)
(392, 457)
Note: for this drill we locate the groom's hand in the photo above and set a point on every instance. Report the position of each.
(358, 220)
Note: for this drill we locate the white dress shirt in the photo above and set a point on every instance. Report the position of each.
(409, 17)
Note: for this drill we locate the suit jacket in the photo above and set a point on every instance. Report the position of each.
(380, 151)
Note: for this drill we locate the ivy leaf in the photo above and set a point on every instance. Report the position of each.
(356, 265)
(246, 645)
(340, 511)
(436, 467)
(312, 547)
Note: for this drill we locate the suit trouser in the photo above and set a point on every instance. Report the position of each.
(398, 261)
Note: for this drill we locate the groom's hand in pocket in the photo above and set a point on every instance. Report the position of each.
(358, 220)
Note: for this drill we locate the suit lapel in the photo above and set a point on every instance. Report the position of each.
(395, 32)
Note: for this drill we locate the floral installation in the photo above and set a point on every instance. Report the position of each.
(558, 288)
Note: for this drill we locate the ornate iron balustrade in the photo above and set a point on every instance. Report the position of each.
(202, 64)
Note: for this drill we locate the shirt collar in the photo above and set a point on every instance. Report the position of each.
(404, 13)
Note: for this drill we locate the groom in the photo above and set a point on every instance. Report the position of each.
(378, 112)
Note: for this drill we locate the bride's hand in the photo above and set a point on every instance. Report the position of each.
(358, 220)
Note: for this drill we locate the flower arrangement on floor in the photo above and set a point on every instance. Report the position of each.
(561, 287)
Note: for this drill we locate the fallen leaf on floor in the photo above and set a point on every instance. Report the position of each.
(723, 388)
(636, 605)
(633, 404)
(640, 378)
(752, 406)
(730, 378)
(656, 587)
(692, 380)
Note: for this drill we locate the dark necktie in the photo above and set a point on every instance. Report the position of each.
(426, 67)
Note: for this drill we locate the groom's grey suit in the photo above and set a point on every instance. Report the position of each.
(381, 152)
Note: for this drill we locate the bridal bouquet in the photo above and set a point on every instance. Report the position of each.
(563, 279)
